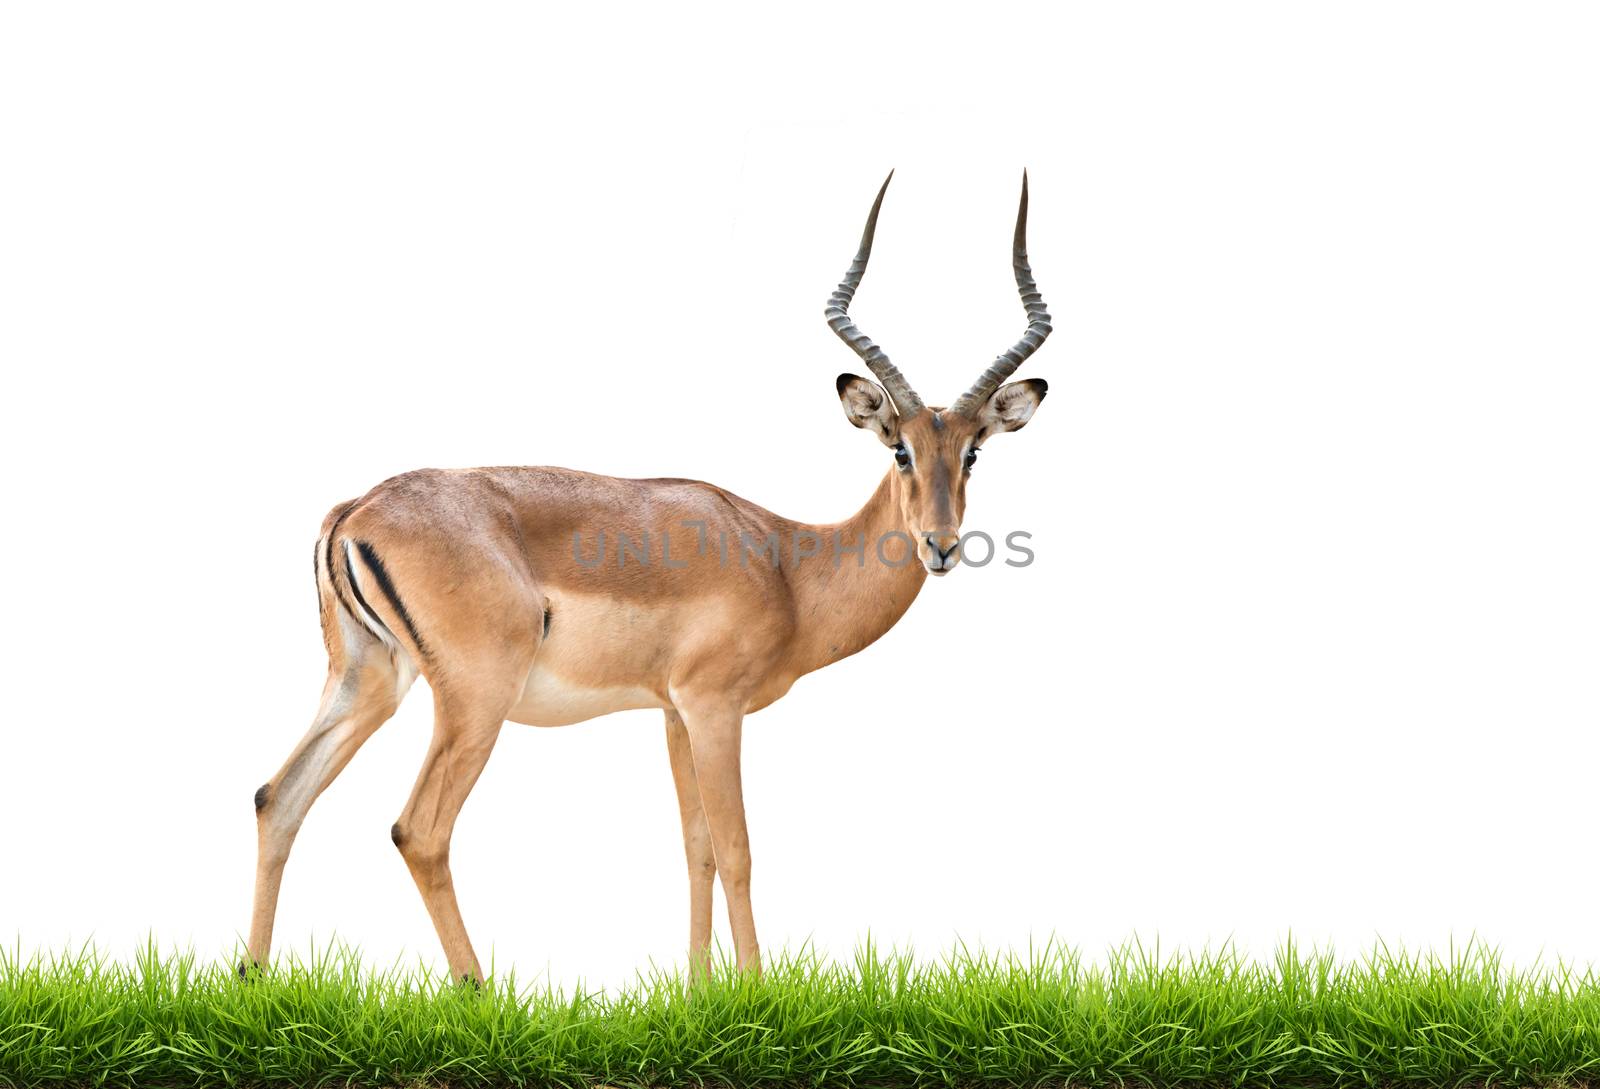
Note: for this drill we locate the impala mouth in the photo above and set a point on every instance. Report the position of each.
(938, 562)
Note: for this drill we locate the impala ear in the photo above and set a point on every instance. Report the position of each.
(867, 406)
(1011, 406)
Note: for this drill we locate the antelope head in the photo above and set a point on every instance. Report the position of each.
(935, 448)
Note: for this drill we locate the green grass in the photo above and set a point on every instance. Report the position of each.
(884, 1020)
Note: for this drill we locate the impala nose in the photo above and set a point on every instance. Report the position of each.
(939, 551)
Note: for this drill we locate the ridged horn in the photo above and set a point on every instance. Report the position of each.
(905, 399)
(1038, 321)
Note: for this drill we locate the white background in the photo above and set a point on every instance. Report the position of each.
(1311, 641)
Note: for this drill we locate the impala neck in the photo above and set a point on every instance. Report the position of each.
(846, 605)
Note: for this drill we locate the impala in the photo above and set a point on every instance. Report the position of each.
(489, 583)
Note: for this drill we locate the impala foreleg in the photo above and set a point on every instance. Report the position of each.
(697, 847)
(714, 732)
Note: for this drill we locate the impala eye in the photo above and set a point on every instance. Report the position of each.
(972, 456)
(902, 456)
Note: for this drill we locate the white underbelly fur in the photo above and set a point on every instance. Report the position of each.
(549, 700)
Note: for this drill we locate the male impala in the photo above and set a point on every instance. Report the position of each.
(548, 596)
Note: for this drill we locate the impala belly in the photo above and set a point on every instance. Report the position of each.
(550, 699)
(600, 656)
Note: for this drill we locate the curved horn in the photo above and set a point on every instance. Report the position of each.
(905, 399)
(1038, 321)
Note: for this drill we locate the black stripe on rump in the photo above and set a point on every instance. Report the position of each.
(333, 531)
(370, 557)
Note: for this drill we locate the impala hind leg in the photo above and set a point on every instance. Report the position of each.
(363, 690)
(714, 733)
(464, 733)
(697, 847)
